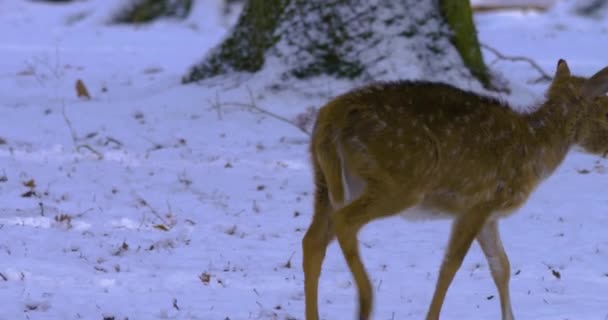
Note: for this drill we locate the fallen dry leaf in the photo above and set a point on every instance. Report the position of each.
(161, 227)
(30, 184)
(81, 90)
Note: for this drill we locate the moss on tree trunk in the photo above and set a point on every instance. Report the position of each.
(459, 17)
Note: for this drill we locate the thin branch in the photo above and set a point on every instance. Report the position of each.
(215, 104)
(75, 139)
(266, 112)
(502, 7)
(69, 124)
(544, 76)
(88, 147)
(145, 203)
(253, 106)
(113, 140)
(41, 205)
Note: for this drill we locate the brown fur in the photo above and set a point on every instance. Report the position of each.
(432, 146)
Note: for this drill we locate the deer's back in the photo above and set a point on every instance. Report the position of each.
(463, 149)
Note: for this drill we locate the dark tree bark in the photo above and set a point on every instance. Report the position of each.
(591, 8)
(244, 50)
(142, 11)
(353, 39)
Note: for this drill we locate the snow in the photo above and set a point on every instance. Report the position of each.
(197, 208)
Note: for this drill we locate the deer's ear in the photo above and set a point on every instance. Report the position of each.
(597, 85)
(562, 69)
(562, 73)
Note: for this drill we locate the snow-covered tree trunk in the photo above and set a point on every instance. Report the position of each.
(354, 39)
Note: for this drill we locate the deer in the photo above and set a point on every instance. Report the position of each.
(432, 150)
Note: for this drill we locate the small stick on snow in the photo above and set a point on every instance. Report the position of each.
(41, 205)
(69, 124)
(145, 203)
(544, 76)
(509, 7)
(113, 140)
(215, 104)
(75, 136)
(276, 116)
(253, 106)
(88, 147)
(268, 113)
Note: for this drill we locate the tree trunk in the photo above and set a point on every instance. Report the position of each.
(353, 39)
(591, 8)
(143, 11)
(459, 16)
(245, 48)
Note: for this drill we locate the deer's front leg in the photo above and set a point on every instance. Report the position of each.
(464, 229)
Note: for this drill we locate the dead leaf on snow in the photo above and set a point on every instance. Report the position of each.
(161, 227)
(81, 90)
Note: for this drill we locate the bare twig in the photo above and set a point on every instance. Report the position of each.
(253, 106)
(88, 147)
(112, 140)
(69, 124)
(501, 7)
(215, 104)
(143, 220)
(52, 68)
(145, 203)
(3, 177)
(266, 112)
(75, 139)
(155, 145)
(499, 56)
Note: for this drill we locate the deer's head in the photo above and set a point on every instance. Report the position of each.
(588, 98)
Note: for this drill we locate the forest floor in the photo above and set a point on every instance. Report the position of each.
(156, 200)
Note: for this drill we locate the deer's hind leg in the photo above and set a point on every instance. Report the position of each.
(374, 202)
(314, 245)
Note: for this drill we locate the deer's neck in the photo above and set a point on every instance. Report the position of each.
(554, 125)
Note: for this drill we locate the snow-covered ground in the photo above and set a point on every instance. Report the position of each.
(156, 200)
